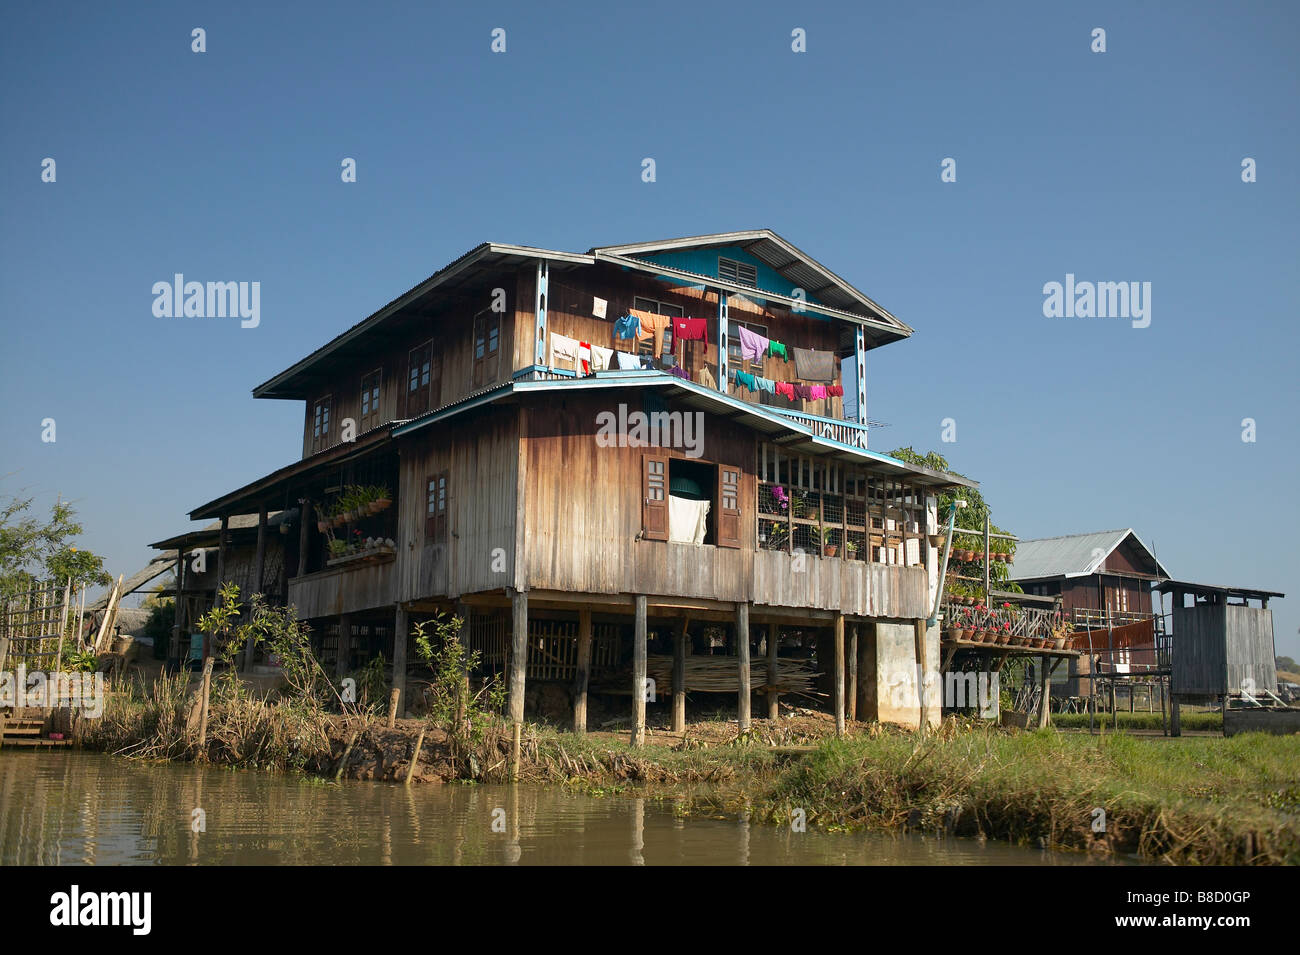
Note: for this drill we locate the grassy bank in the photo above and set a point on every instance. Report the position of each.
(1201, 801)
(1189, 720)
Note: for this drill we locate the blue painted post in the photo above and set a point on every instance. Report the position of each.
(722, 341)
(539, 310)
(861, 344)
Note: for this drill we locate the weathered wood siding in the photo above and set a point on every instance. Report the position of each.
(1251, 655)
(582, 510)
(345, 589)
(829, 583)
(451, 329)
(1200, 661)
(479, 450)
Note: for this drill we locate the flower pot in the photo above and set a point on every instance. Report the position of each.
(322, 526)
(831, 549)
(384, 503)
(1058, 643)
(960, 634)
(1004, 637)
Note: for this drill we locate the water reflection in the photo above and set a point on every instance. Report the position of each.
(68, 808)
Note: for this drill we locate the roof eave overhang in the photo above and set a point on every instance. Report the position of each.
(887, 329)
(804, 439)
(280, 385)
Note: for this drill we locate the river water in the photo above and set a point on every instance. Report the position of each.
(70, 808)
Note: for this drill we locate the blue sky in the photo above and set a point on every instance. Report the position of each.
(1115, 166)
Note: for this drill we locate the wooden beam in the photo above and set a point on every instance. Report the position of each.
(853, 673)
(743, 695)
(344, 658)
(638, 672)
(839, 675)
(304, 519)
(401, 636)
(679, 677)
(1044, 704)
(583, 671)
(773, 671)
(922, 697)
(259, 570)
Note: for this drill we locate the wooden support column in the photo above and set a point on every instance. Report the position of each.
(743, 696)
(839, 674)
(583, 674)
(679, 677)
(342, 663)
(1045, 702)
(304, 530)
(638, 673)
(401, 636)
(259, 569)
(853, 673)
(773, 671)
(221, 577)
(922, 696)
(177, 622)
(518, 653)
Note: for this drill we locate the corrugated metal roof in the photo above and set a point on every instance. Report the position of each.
(1075, 555)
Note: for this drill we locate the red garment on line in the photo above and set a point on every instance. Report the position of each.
(689, 330)
(785, 388)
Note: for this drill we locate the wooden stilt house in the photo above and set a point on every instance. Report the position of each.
(592, 456)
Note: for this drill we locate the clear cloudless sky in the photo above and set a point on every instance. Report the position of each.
(1115, 166)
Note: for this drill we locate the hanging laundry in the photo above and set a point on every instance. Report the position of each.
(752, 346)
(811, 365)
(746, 380)
(766, 384)
(706, 377)
(584, 357)
(651, 327)
(688, 330)
(777, 350)
(817, 392)
(562, 347)
(600, 357)
(679, 372)
(627, 327)
(785, 390)
(835, 391)
(687, 520)
(802, 392)
(628, 362)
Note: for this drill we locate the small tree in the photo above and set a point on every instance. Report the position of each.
(464, 715)
(31, 548)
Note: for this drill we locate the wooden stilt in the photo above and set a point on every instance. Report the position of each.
(394, 703)
(744, 695)
(259, 570)
(1044, 702)
(853, 673)
(773, 697)
(401, 636)
(518, 671)
(415, 757)
(203, 710)
(638, 672)
(583, 674)
(838, 685)
(922, 694)
(679, 677)
(343, 663)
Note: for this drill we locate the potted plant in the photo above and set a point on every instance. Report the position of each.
(851, 549)
(828, 548)
(338, 548)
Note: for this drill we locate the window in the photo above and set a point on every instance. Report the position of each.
(487, 348)
(657, 308)
(435, 509)
(370, 399)
(422, 385)
(742, 273)
(654, 498)
(728, 506)
(320, 425)
(733, 339)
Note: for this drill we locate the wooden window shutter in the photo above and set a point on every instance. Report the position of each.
(728, 506)
(442, 504)
(654, 497)
(430, 508)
